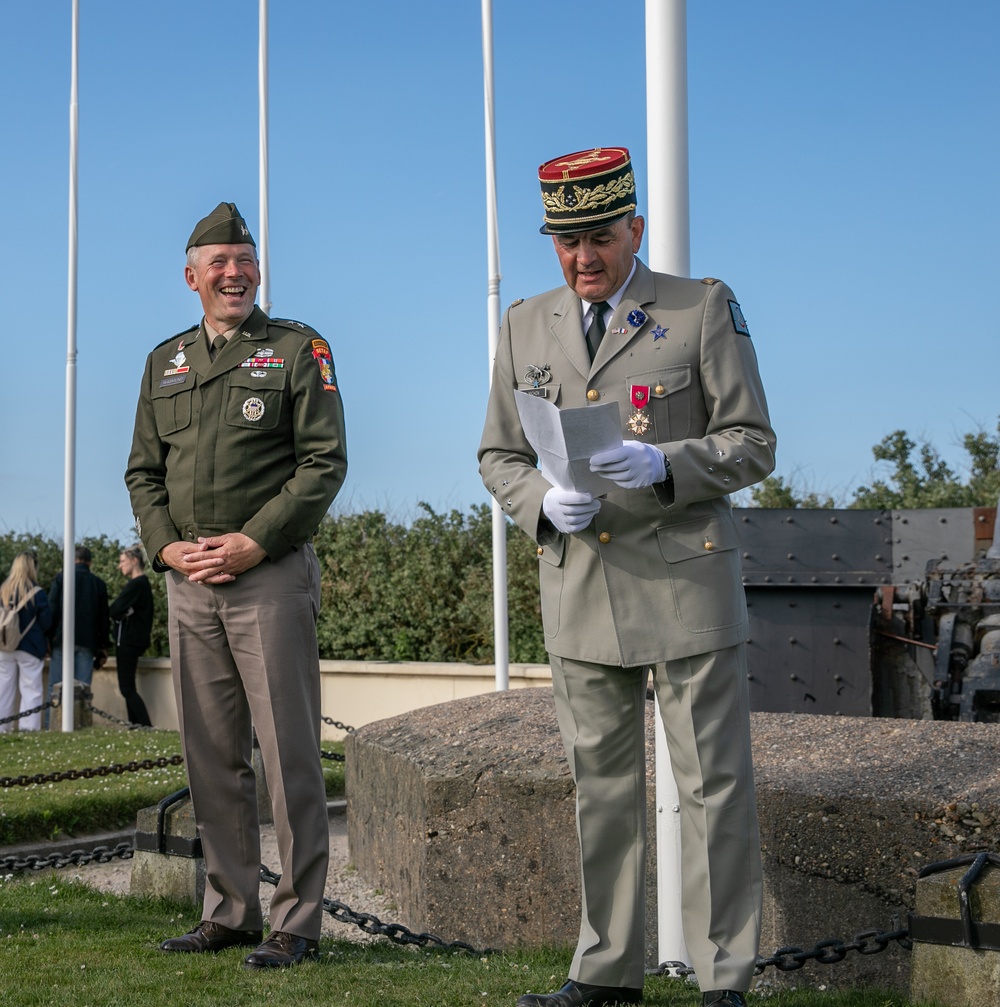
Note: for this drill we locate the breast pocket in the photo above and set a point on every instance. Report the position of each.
(255, 398)
(172, 408)
(669, 400)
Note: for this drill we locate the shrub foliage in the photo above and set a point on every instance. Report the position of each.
(391, 591)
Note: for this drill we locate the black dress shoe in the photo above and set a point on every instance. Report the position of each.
(280, 950)
(722, 998)
(575, 994)
(208, 936)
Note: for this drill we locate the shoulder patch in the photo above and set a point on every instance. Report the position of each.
(709, 280)
(739, 322)
(324, 360)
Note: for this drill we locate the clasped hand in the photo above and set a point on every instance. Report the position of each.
(633, 465)
(215, 560)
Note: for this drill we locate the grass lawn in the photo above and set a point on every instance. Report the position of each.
(65, 944)
(102, 803)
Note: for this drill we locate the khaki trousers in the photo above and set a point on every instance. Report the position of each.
(705, 709)
(244, 654)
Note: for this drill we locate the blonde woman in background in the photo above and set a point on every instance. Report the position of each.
(21, 670)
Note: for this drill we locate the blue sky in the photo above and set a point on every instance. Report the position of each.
(843, 182)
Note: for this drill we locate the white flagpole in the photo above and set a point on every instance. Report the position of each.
(263, 247)
(500, 627)
(669, 250)
(69, 499)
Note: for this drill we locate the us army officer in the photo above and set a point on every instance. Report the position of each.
(644, 576)
(237, 453)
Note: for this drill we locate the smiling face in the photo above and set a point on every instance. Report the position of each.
(226, 278)
(596, 263)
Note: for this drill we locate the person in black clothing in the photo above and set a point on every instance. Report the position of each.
(132, 613)
(90, 625)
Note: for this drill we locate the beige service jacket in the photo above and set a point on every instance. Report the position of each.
(252, 442)
(656, 575)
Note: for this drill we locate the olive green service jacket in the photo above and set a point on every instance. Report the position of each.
(252, 442)
(656, 575)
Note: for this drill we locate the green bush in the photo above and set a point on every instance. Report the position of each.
(391, 591)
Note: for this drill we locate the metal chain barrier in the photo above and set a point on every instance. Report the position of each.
(117, 769)
(785, 959)
(370, 924)
(87, 705)
(78, 858)
(26, 713)
(828, 952)
(326, 753)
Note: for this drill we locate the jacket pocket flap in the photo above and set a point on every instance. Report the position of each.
(692, 539)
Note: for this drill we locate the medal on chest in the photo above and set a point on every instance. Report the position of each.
(639, 421)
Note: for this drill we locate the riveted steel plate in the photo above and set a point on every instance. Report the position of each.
(923, 536)
(810, 651)
(815, 548)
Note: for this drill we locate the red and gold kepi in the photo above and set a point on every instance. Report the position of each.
(586, 190)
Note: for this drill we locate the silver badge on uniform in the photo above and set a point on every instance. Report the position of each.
(537, 375)
(253, 409)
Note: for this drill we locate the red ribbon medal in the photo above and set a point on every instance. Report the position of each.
(638, 422)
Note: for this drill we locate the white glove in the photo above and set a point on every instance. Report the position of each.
(568, 510)
(633, 465)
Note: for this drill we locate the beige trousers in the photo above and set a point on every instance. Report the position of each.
(705, 709)
(244, 654)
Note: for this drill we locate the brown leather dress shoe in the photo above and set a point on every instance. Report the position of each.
(575, 994)
(280, 950)
(208, 936)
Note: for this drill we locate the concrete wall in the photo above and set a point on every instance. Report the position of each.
(470, 804)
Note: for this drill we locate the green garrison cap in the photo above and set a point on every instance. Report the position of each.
(223, 226)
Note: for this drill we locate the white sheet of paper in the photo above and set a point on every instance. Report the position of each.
(564, 440)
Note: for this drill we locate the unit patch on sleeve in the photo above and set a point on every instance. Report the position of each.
(324, 358)
(739, 322)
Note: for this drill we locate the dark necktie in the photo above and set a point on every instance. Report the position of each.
(595, 332)
(217, 343)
